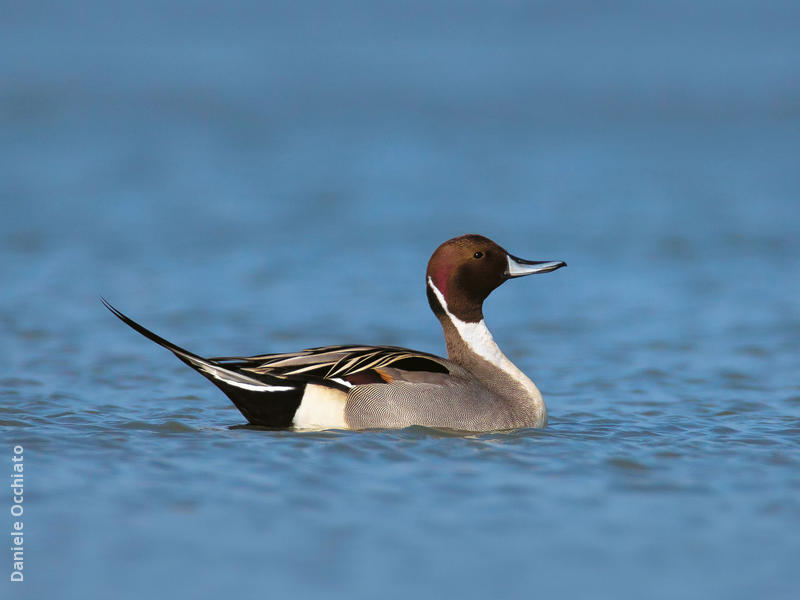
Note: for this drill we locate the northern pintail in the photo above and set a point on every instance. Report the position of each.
(477, 388)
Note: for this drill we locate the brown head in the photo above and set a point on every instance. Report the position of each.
(466, 269)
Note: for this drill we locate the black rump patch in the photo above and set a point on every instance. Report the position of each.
(268, 409)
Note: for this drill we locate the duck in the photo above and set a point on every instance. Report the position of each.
(351, 387)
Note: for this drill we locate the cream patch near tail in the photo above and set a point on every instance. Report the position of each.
(321, 408)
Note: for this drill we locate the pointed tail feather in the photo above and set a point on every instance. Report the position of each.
(205, 366)
(180, 352)
(274, 409)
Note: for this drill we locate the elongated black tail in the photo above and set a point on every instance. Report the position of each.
(263, 399)
(181, 353)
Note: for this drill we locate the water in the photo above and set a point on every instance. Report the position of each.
(265, 178)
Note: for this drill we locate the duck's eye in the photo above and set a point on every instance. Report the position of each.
(478, 255)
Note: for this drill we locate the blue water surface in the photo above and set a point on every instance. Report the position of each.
(256, 177)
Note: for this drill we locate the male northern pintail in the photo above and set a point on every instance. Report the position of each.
(477, 388)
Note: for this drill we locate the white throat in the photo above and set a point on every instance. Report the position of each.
(479, 339)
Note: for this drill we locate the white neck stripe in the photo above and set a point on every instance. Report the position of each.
(476, 335)
(479, 339)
